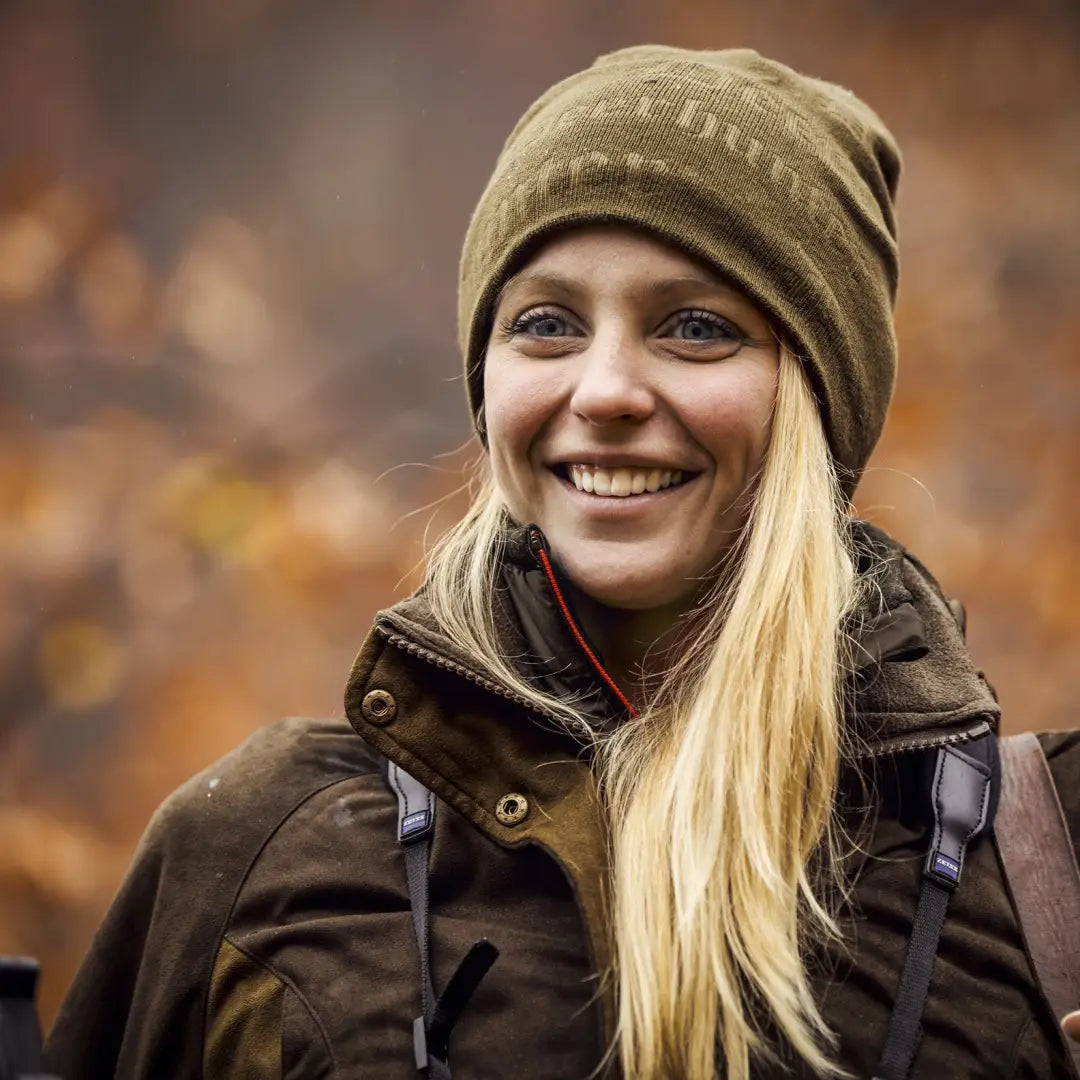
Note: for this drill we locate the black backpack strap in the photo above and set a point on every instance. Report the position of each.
(964, 798)
(431, 1030)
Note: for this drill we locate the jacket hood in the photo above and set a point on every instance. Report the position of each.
(913, 680)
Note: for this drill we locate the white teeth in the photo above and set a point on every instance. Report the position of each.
(622, 482)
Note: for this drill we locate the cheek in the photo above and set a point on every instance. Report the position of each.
(517, 402)
(511, 420)
(735, 426)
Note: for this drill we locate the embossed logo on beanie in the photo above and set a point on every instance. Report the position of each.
(676, 107)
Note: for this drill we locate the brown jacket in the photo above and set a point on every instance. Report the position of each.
(264, 931)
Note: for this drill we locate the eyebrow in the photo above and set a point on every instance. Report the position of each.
(659, 289)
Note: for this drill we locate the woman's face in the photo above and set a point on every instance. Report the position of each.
(628, 396)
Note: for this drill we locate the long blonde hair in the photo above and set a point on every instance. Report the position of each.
(721, 793)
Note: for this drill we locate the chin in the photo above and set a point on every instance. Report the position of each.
(632, 588)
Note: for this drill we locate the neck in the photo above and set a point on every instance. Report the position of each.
(634, 645)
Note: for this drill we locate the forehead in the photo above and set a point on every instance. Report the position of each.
(609, 248)
(615, 259)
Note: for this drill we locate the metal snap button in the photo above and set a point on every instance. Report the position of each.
(378, 707)
(512, 809)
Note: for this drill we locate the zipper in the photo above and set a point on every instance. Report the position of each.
(543, 560)
(903, 746)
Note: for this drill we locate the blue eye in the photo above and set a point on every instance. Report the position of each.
(541, 325)
(537, 324)
(703, 326)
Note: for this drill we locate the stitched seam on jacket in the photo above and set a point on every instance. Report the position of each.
(927, 741)
(223, 934)
(286, 981)
(1021, 1035)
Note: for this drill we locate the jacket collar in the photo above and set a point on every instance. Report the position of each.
(914, 684)
(913, 681)
(452, 729)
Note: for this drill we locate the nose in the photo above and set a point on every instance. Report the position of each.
(612, 383)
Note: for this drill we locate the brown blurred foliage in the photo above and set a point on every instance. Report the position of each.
(228, 237)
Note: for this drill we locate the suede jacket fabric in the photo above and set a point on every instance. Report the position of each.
(264, 930)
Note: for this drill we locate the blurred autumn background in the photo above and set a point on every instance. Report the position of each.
(228, 243)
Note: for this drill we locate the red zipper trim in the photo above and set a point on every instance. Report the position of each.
(549, 573)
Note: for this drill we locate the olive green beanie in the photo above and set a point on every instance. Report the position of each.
(783, 183)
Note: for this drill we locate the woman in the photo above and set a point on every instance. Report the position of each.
(675, 706)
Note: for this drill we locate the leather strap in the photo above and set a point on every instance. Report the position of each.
(962, 809)
(1040, 863)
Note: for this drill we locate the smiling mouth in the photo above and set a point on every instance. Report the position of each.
(623, 482)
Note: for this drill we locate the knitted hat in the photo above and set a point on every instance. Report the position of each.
(783, 183)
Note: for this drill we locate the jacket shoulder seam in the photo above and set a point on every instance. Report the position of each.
(287, 982)
(1018, 1042)
(223, 935)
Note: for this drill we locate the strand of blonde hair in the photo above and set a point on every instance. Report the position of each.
(721, 793)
